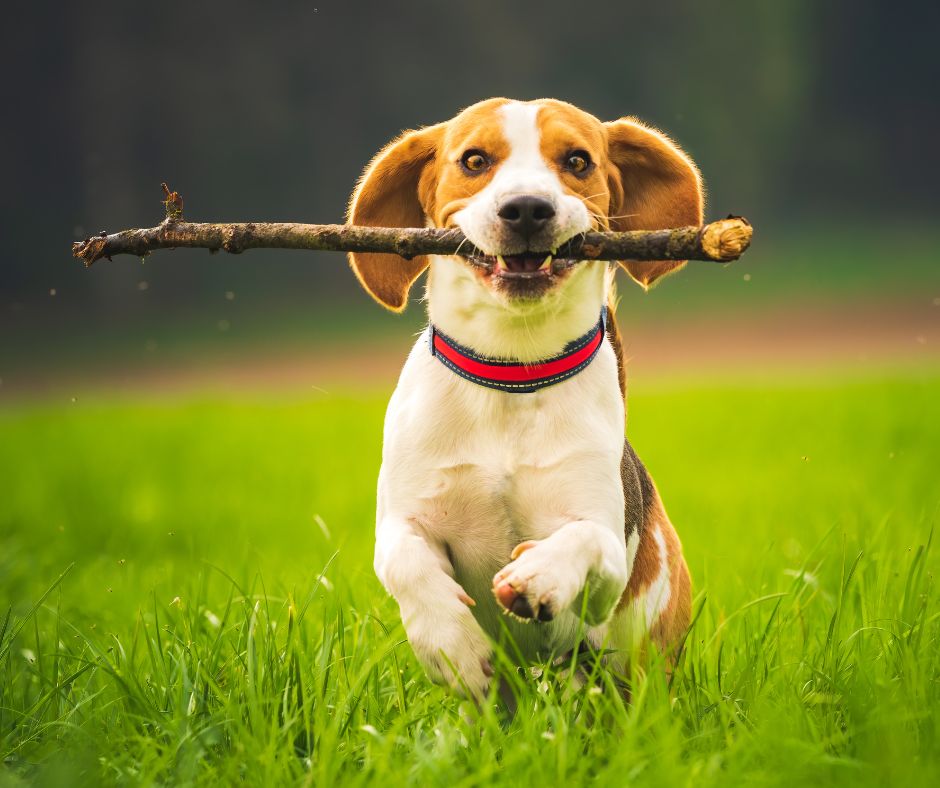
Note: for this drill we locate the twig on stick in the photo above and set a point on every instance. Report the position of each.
(720, 241)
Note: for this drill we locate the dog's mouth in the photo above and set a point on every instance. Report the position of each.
(528, 265)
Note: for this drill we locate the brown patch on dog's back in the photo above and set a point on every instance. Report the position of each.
(643, 514)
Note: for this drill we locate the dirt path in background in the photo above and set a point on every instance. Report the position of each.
(859, 335)
(856, 337)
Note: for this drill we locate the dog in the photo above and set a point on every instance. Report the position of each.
(509, 497)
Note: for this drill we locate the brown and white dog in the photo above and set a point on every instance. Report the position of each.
(507, 485)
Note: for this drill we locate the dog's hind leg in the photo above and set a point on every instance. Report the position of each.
(656, 604)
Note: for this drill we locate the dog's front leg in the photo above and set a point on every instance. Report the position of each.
(581, 566)
(435, 610)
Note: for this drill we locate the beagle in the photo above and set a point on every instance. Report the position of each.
(508, 495)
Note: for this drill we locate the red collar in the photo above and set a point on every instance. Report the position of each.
(515, 376)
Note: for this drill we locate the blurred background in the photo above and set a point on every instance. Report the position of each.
(818, 121)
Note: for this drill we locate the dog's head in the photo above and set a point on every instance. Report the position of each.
(519, 179)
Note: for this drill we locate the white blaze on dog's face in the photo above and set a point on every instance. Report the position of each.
(520, 179)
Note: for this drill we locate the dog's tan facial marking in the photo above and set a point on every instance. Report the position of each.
(449, 183)
(566, 135)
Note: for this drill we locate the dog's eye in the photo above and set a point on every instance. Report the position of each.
(578, 162)
(474, 161)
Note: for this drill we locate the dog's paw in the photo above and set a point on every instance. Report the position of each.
(451, 648)
(538, 584)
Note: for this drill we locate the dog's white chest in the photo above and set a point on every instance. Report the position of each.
(480, 471)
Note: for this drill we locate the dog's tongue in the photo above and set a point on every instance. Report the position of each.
(522, 264)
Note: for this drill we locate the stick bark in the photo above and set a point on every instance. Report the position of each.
(719, 241)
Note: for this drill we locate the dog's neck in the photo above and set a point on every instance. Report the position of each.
(468, 312)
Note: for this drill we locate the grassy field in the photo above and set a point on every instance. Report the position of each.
(192, 601)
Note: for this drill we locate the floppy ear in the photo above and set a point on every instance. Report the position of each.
(653, 186)
(387, 196)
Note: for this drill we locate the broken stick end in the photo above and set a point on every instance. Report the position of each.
(727, 239)
(89, 250)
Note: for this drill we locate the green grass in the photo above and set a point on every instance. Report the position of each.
(218, 620)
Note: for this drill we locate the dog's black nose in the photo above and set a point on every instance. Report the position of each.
(526, 215)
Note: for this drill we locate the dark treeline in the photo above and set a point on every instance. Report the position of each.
(269, 110)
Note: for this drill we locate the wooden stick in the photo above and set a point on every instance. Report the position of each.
(719, 241)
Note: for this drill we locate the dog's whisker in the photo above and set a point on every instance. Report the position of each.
(460, 245)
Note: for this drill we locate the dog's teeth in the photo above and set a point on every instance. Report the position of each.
(546, 263)
(500, 263)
